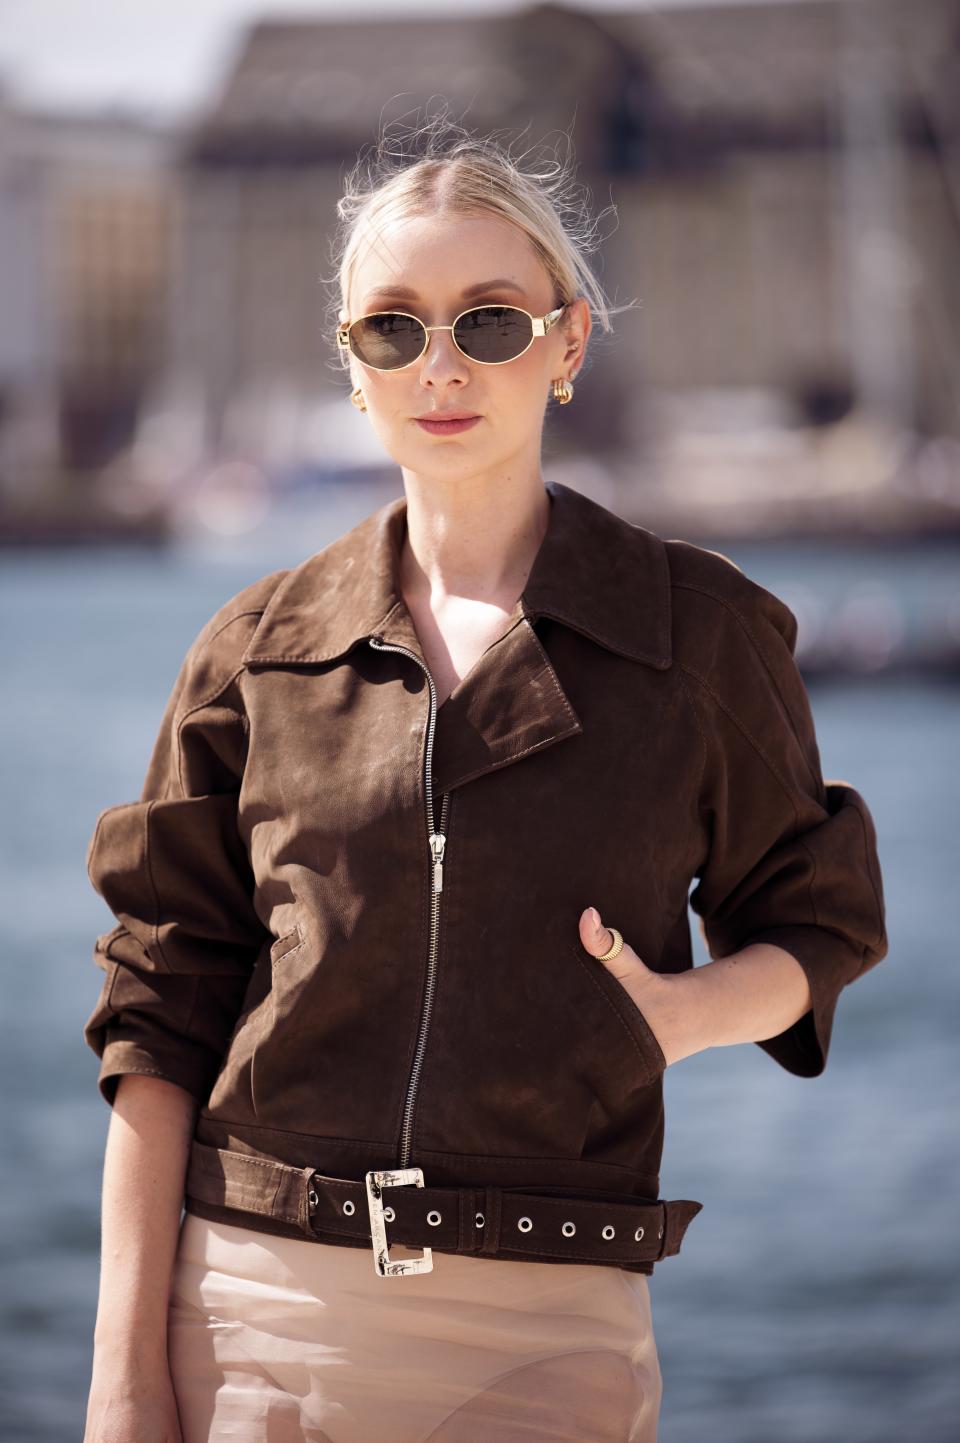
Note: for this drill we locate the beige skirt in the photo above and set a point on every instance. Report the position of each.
(283, 1340)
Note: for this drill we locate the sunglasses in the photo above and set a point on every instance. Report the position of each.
(489, 335)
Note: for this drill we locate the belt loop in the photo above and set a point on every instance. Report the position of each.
(304, 1205)
(664, 1230)
(467, 1235)
(490, 1231)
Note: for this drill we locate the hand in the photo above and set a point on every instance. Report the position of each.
(655, 994)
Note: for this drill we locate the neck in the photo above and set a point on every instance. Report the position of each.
(472, 541)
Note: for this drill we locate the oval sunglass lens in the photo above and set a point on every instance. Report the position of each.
(493, 333)
(387, 341)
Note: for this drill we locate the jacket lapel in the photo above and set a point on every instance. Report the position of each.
(508, 705)
(594, 572)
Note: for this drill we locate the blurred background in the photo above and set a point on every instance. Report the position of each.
(174, 423)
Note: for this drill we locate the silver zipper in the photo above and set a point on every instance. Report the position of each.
(436, 842)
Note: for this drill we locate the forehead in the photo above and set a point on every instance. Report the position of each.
(445, 257)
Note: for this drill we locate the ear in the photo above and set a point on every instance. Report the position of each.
(576, 324)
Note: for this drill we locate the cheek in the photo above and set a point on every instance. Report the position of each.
(521, 385)
(391, 403)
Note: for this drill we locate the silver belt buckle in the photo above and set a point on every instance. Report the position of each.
(376, 1182)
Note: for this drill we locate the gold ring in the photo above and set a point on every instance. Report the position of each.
(615, 949)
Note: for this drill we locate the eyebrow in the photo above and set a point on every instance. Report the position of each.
(405, 292)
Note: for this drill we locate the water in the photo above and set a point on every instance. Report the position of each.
(816, 1295)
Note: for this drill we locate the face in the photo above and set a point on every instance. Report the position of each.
(435, 260)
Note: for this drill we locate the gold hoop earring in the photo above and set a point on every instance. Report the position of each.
(357, 399)
(562, 390)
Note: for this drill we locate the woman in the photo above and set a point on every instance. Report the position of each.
(280, 961)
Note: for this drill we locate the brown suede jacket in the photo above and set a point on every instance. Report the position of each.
(347, 919)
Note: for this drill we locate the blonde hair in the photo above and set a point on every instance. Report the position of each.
(445, 167)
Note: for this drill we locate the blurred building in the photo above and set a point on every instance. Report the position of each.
(85, 224)
(785, 176)
(787, 190)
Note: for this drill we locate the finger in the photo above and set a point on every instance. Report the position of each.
(598, 939)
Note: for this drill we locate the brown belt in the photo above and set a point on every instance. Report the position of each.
(546, 1225)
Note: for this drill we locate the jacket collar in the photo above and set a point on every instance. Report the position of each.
(594, 572)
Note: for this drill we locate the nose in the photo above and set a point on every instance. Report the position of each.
(442, 356)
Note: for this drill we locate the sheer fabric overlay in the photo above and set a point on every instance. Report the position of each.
(282, 1340)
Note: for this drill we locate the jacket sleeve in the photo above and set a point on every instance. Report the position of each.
(175, 873)
(792, 859)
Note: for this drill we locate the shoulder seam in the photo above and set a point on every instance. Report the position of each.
(221, 686)
(218, 690)
(743, 728)
(198, 706)
(755, 643)
(696, 721)
(238, 616)
(795, 835)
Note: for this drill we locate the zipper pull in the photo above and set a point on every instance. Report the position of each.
(437, 843)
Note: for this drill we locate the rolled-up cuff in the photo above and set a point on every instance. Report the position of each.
(830, 963)
(189, 1065)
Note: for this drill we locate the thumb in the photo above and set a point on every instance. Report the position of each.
(596, 938)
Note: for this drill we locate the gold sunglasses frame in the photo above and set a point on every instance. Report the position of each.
(540, 325)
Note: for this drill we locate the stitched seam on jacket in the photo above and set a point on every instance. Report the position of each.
(311, 1137)
(112, 936)
(786, 790)
(549, 670)
(813, 865)
(505, 1158)
(755, 643)
(587, 628)
(508, 757)
(256, 611)
(625, 1024)
(198, 706)
(294, 931)
(143, 1072)
(253, 611)
(114, 969)
(700, 732)
(217, 690)
(509, 1158)
(549, 667)
(746, 732)
(155, 928)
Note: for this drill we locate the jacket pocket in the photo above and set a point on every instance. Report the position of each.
(631, 1016)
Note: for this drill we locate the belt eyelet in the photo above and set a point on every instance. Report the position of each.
(524, 1225)
(349, 1208)
(568, 1229)
(608, 1232)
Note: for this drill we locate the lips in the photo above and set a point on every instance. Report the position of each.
(437, 425)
